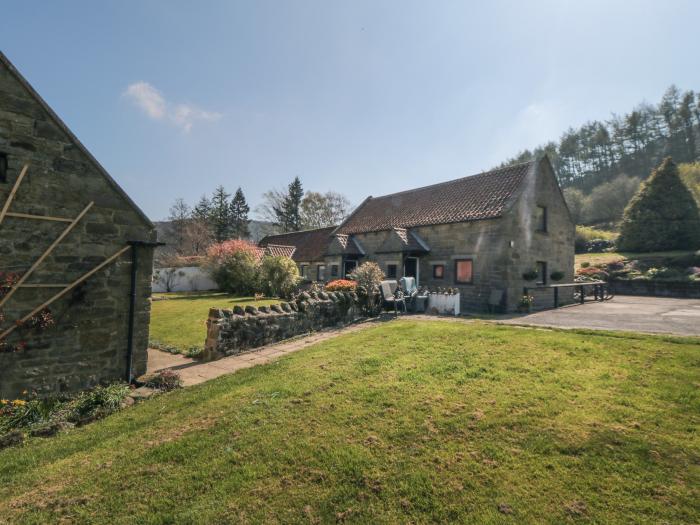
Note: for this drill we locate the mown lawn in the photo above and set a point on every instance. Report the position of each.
(179, 319)
(405, 422)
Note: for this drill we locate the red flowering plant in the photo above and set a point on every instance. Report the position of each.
(7, 281)
(592, 273)
(341, 285)
(235, 266)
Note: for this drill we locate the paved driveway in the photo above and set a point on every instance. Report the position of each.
(625, 312)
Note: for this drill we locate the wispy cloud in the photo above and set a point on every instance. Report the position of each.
(152, 102)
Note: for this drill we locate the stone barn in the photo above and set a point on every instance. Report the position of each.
(479, 234)
(75, 256)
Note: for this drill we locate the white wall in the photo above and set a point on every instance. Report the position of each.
(187, 279)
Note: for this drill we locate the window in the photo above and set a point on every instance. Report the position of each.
(391, 271)
(438, 271)
(3, 167)
(334, 270)
(321, 272)
(541, 272)
(541, 219)
(302, 269)
(463, 271)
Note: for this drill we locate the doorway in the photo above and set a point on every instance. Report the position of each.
(411, 268)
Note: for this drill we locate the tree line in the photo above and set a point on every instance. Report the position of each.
(224, 216)
(601, 163)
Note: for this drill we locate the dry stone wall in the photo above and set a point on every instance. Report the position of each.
(231, 332)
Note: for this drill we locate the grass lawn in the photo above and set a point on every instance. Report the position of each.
(405, 422)
(179, 322)
(605, 258)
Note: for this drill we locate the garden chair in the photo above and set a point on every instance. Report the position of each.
(408, 285)
(392, 295)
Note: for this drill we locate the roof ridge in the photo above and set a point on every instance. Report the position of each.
(300, 231)
(71, 136)
(480, 174)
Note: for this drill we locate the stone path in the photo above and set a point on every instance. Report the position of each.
(193, 372)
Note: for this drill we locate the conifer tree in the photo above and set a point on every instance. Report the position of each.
(239, 216)
(663, 215)
(220, 214)
(289, 211)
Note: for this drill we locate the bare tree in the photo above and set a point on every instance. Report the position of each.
(180, 215)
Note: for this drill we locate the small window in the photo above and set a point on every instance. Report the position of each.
(463, 271)
(334, 270)
(541, 219)
(302, 269)
(541, 272)
(321, 272)
(3, 167)
(438, 271)
(391, 271)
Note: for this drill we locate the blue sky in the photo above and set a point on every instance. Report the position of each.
(361, 97)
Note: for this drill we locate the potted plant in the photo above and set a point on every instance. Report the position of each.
(556, 276)
(525, 303)
(530, 275)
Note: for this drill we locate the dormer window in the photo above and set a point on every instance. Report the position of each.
(3, 167)
(541, 218)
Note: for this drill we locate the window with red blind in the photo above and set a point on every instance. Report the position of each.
(464, 271)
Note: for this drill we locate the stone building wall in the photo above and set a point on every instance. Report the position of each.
(231, 332)
(88, 343)
(554, 246)
(501, 249)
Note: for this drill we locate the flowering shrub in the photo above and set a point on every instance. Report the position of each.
(221, 251)
(368, 276)
(279, 276)
(235, 266)
(341, 285)
(526, 301)
(591, 273)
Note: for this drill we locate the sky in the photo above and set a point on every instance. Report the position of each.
(359, 97)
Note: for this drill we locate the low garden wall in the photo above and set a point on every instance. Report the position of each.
(684, 290)
(231, 332)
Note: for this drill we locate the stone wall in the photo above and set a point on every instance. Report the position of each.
(88, 343)
(683, 290)
(231, 332)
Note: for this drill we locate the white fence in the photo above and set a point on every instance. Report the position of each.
(186, 279)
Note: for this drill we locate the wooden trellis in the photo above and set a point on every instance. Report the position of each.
(65, 288)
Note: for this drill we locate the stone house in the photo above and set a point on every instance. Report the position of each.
(479, 234)
(75, 256)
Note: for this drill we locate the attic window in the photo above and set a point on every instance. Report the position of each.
(3, 167)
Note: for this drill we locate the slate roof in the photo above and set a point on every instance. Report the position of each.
(310, 245)
(482, 196)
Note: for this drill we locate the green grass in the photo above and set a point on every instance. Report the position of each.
(407, 422)
(605, 258)
(179, 323)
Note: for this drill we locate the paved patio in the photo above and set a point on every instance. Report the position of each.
(628, 313)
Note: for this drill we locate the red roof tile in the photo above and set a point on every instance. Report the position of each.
(310, 245)
(280, 250)
(482, 196)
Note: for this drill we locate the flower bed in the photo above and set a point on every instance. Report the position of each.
(341, 285)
